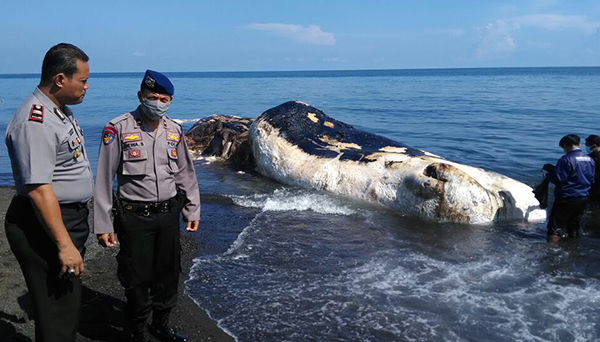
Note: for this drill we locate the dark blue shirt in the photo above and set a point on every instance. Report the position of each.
(573, 175)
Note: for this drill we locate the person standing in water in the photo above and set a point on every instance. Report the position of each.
(573, 177)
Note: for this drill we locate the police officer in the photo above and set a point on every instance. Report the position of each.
(572, 176)
(155, 182)
(46, 223)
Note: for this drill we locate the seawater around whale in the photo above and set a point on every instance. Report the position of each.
(297, 144)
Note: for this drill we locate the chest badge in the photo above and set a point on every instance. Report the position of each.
(76, 153)
(173, 153)
(173, 136)
(134, 136)
(134, 154)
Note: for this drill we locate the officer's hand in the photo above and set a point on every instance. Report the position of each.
(70, 259)
(107, 239)
(548, 167)
(192, 226)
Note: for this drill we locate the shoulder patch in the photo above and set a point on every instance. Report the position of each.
(109, 135)
(36, 113)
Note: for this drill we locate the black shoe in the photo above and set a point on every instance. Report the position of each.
(166, 334)
(137, 334)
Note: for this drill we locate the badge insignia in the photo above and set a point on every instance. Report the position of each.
(36, 113)
(77, 153)
(133, 136)
(109, 135)
(59, 113)
(173, 153)
(150, 82)
(173, 136)
(135, 153)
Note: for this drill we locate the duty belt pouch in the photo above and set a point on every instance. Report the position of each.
(181, 200)
(117, 211)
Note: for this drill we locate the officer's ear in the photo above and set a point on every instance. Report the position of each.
(60, 79)
(140, 96)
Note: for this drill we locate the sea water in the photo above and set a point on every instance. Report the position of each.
(280, 263)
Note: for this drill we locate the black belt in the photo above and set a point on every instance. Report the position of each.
(73, 205)
(145, 208)
(78, 205)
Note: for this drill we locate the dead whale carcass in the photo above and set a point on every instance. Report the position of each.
(298, 144)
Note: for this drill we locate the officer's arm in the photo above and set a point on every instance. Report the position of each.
(186, 180)
(109, 158)
(48, 210)
(34, 146)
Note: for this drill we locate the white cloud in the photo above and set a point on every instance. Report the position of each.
(311, 34)
(497, 40)
(558, 22)
(139, 54)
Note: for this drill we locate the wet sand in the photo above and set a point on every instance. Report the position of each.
(103, 297)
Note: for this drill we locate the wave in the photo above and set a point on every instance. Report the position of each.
(181, 121)
(287, 200)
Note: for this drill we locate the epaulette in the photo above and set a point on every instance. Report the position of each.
(36, 113)
(173, 121)
(120, 118)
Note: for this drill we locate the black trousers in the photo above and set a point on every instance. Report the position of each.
(565, 216)
(56, 301)
(149, 263)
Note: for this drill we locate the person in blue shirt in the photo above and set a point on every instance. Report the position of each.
(592, 144)
(573, 177)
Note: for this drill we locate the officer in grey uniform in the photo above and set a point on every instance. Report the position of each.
(46, 223)
(155, 182)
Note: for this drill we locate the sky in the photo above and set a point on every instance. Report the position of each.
(275, 35)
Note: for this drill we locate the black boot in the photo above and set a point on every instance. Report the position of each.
(137, 333)
(161, 330)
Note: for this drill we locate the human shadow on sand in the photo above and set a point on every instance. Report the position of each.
(101, 318)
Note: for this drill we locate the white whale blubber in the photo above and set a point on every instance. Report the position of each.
(426, 186)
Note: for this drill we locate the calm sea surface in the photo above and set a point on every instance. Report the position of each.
(285, 264)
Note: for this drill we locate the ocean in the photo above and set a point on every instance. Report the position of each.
(280, 263)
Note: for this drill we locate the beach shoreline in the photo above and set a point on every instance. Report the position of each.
(103, 296)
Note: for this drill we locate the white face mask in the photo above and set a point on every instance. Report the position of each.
(154, 110)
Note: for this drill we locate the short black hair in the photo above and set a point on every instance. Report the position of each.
(569, 140)
(61, 58)
(592, 140)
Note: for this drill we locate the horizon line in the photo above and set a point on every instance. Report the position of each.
(326, 70)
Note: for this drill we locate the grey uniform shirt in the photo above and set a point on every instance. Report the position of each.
(45, 146)
(150, 166)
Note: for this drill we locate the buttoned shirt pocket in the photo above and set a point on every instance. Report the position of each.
(172, 157)
(69, 152)
(135, 162)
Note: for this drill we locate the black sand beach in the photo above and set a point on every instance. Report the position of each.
(103, 299)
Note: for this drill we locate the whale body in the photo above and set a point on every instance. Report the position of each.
(297, 144)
